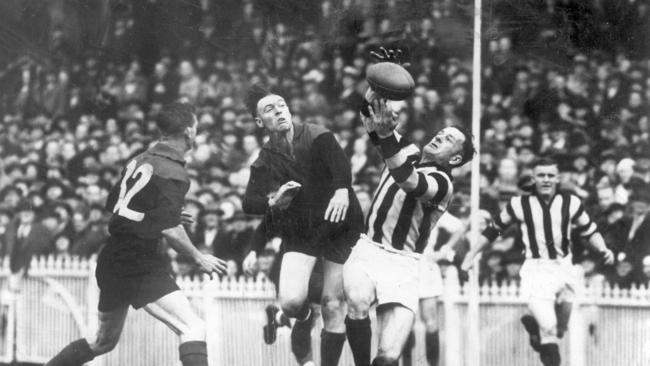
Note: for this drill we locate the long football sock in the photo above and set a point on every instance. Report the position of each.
(301, 341)
(331, 345)
(74, 354)
(359, 337)
(193, 353)
(432, 341)
(549, 353)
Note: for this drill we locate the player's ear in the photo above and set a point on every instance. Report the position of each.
(455, 160)
(258, 122)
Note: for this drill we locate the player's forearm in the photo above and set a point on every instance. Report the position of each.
(179, 240)
(396, 161)
(597, 242)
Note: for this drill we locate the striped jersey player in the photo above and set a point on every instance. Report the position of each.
(548, 280)
(384, 264)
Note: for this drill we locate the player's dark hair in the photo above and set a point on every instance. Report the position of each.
(543, 161)
(175, 118)
(253, 96)
(468, 145)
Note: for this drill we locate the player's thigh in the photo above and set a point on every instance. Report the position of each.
(294, 277)
(544, 312)
(111, 324)
(175, 310)
(396, 322)
(429, 312)
(358, 287)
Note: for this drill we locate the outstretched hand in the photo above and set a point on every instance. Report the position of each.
(210, 264)
(394, 56)
(382, 119)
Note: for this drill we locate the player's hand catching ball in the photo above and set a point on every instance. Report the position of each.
(394, 56)
(382, 119)
(249, 265)
(210, 264)
(338, 206)
(608, 257)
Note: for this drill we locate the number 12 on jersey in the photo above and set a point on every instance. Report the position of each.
(142, 175)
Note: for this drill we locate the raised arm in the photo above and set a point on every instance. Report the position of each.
(380, 123)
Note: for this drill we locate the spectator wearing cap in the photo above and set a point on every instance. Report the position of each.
(211, 231)
(25, 237)
(10, 196)
(87, 236)
(637, 238)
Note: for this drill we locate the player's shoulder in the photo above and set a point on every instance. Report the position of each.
(313, 131)
(165, 164)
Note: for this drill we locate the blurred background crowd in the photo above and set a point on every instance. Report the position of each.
(81, 84)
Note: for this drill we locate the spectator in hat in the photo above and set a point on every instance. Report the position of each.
(10, 196)
(25, 237)
(623, 273)
(211, 231)
(637, 238)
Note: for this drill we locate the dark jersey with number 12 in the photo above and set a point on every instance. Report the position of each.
(150, 195)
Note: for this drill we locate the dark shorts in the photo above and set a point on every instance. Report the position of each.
(131, 273)
(334, 248)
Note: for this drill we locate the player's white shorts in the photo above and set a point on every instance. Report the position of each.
(393, 272)
(549, 279)
(430, 281)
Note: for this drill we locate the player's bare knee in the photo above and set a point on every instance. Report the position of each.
(292, 306)
(194, 330)
(332, 305)
(358, 307)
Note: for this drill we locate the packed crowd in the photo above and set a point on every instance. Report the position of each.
(70, 122)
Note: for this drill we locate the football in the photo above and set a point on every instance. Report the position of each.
(390, 80)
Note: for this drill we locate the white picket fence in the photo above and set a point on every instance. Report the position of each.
(58, 300)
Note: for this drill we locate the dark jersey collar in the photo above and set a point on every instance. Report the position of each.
(298, 130)
(163, 149)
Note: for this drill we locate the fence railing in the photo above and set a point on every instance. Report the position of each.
(58, 299)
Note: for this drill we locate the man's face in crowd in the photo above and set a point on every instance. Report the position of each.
(273, 114)
(639, 207)
(546, 178)
(445, 147)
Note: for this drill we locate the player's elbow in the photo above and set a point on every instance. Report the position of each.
(408, 186)
(172, 233)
